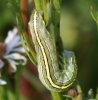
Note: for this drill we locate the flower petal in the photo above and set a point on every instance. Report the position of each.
(13, 64)
(20, 49)
(15, 56)
(10, 36)
(2, 82)
(14, 43)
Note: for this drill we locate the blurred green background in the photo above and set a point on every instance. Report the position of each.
(7, 19)
(78, 31)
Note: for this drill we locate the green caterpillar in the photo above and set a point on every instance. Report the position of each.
(49, 73)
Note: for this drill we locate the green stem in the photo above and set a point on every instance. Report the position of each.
(17, 86)
(25, 38)
(57, 5)
(5, 88)
(44, 7)
(56, 96)
(37, 4)
(55, 33)
(78, 87)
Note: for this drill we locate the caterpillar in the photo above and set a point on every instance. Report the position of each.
(50, 75)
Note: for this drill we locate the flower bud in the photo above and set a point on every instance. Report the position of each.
(72, 92)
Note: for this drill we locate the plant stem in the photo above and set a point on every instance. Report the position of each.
(78, 87)
(56, 96)
(25, 38)
(37, 4)
(17, 85)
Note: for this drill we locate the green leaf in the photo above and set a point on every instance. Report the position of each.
(94, 14)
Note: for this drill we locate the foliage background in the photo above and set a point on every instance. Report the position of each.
(79, 33)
